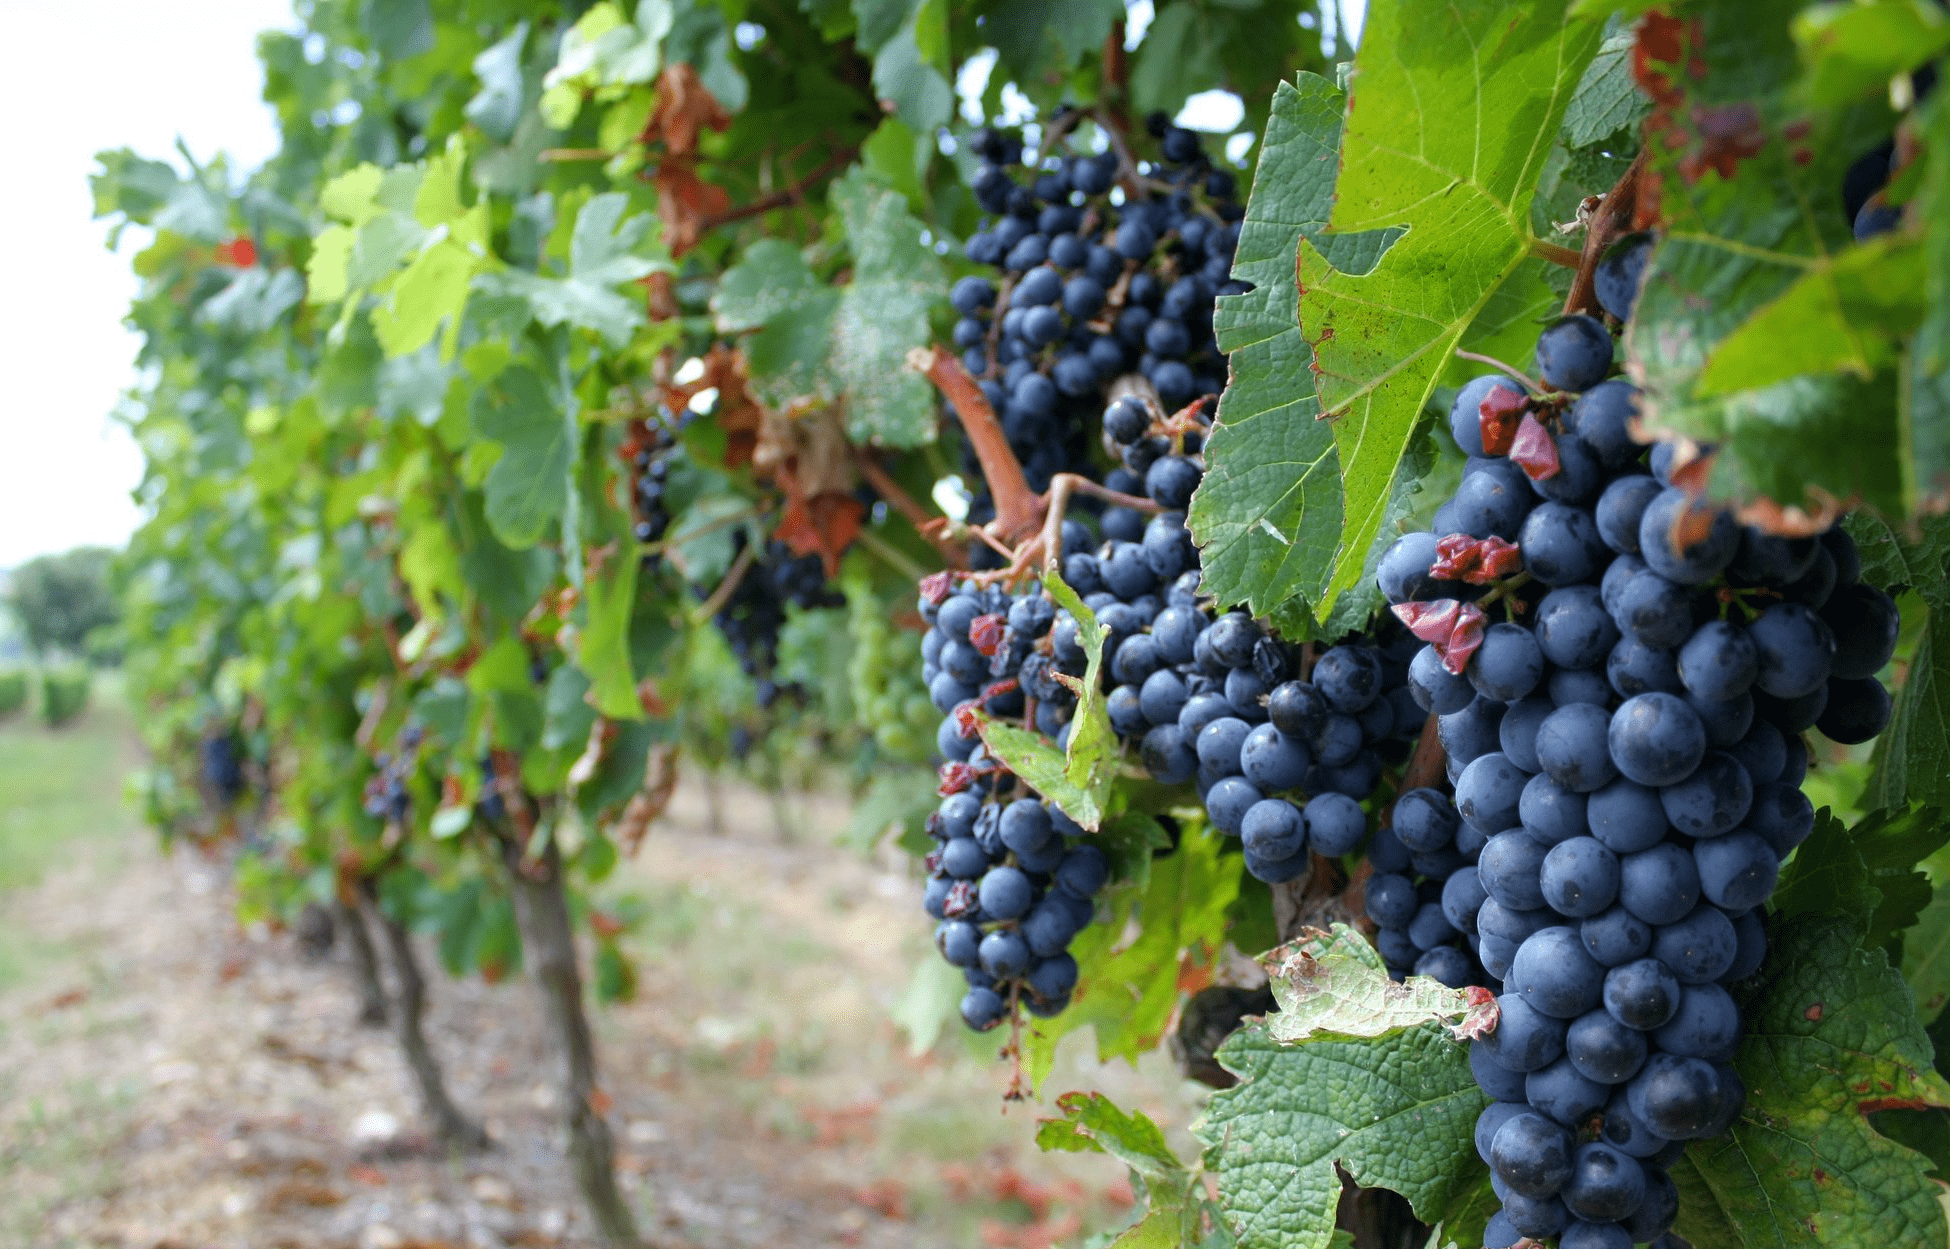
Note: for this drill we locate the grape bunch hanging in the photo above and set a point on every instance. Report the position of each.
(1108, 271)
(1622, 673)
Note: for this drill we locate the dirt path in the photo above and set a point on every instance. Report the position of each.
(169, 1081)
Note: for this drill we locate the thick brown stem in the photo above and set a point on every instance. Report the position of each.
(1568, 257)
(726, 588)
(907, 505)
(452, 1128)
(548, 947)
(1614, 217)
(1017, 512)
(365, 965)
(786, 198)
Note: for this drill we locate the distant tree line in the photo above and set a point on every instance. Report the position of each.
(67, 606)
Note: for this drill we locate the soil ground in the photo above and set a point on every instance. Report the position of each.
(172, 1080)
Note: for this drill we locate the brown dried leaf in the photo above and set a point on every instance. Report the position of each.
(684, 107)
(685, 202)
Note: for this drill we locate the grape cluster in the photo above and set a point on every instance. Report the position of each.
(1626, 754)
(1280, 761)
(1108, 272)
(386, 795)
(221, 761)
(1012, 879)
(753, 614)
(650, 461)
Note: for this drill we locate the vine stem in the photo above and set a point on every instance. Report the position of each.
(726, 588)
(1017, 510)
(786, 198)
(1568, 257)
(1536, 388)
(1613, 216)
(907, 505)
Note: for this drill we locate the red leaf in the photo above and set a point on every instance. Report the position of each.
(1534, 451)
(936, 587)
(1474, 561)
(955, 777)
(960, 901)
(825, 523)
(1500, 559)
(239, 252)
(1454, 628)
(1497, 418)
(985, 633)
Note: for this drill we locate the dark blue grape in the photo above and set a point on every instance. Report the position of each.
(1462, 899)
(1726, 723)
(1273, 830)
(1219, 744)
(1573, 747)
(1489, 790)
(1435, 688)
(1574, 353)
(963, 858)
(1532, 1155)
(1430, 927)
(1391, 900)
(1656, 1211)
(1782, 815)
(1622, 506)
(1338, 742)
(1671, 547)
(1561, 544)
(1500, 1111)
(1572, 627)
(1488, 506)
(1006, 893)
(1579, 877)
(1276, 871)
(1549, 812)
(1750, 947)
(1602, 419)
(1616, 936)
(1050, 926)
(1565, 1094)
(958, 941)
(1656, 739)
(1233, 637)
(1200, 710)
(1227, 801)
(1470, 732)
(1507, 666)
(1053, 977)
(1616, 284)
(1272, 761)
(1335, 824)
(1167, 756)
(1641, 994)
(1447, 964)
(1864, 622)
(1625, 1132)
(971, 294)
(1718, 662)
(1348, 677)
(1604, 1050)
(1698, 948)
(1509, 923)
(1626, 816)
(1403, 573)
(1635, 668)
(1793, 715)
(1554, 973)
(982, 1009)
(1857, 711)
(1568, 685)
(1706, 1025)
(1659, 885)
(1578, 477)
(1606, 1184)
(1710, 801)
(1525, 1039)
(1738, 870)
(1425, 820)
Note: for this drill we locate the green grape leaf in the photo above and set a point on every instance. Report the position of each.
(496, 108)
(605, 251)
(1926, 958)
(1912, 757)
(1093, 746)
(1396, 1111)
(1127, 989)
(1030, 35)
(897, 281)
(1607, 100)
(917, 89)
(400, 29)
(1926, 397)
(817, 344)
(1268, 511)
(605, 651)
(1853, 50)
(1043, 767)
(1868, 870)
(1748, 180)
(1831, 1036)
(253, 301)
(928, 1003)
(1446, 135)
(1334, 983)
(527, 487)
(1919, 560)
(1177, 1208)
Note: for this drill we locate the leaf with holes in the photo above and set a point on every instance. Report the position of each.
(1831, 1036)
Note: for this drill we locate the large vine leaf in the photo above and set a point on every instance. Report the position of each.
(605, 250)
(1912, 757)
(527, 488)
(1869, 870)
(1269, 510)
(1831, 1037)
(1760, 324)
(1452, 115)
(1395, 1111)
(819, 344)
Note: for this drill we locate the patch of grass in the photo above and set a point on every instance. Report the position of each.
(57, 1154)
(61, 799)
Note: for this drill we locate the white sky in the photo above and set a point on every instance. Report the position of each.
(129, 74)
(75, 80)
